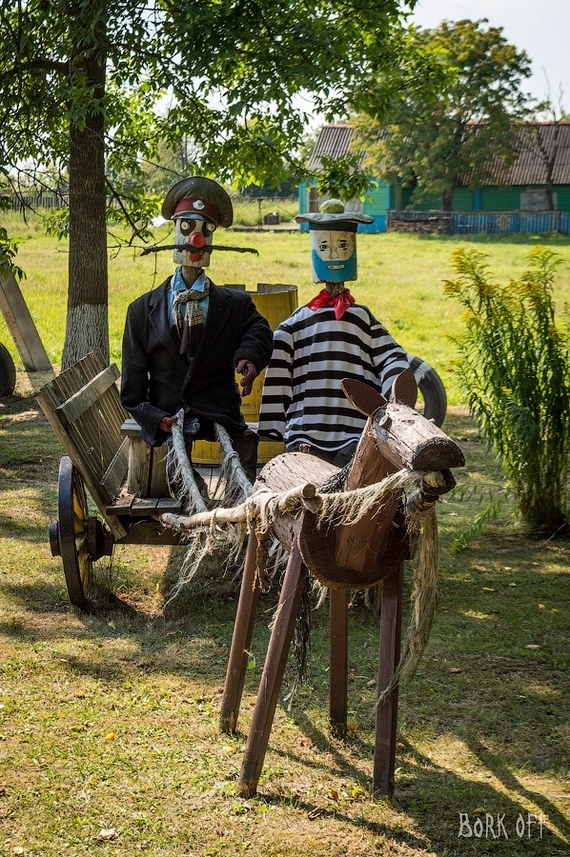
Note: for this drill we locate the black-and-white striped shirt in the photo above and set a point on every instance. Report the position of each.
(302, 398)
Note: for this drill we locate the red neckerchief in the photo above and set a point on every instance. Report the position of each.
(340, 303)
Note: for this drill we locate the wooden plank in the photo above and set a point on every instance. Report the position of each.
(272, 677)
(360, 545)
(82, 444)
(70, 410)
(241, 641)
(21, 326)
(130, 428)
(148, 531)
(139, 467)
(167, 504)
(115, 474)
(143, 507)
(120, 506)
(158, 485)
(76, 454)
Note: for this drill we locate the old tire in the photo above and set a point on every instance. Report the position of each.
(7, 372)
(431, 388)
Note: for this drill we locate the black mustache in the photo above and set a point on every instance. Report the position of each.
(206, 249)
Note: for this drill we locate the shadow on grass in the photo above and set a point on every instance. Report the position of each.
(12, 527)
(449, 811)
(446, 806)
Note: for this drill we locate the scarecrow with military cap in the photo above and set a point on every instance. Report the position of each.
(184, 341)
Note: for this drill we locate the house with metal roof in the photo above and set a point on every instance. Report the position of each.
(530, 195)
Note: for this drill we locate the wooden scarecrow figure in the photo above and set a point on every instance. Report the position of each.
(330, 339)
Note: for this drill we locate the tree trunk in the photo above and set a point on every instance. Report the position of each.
(447, 200)
(87, 308)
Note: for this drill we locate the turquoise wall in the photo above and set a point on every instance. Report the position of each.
(501, 199)
(379, 199)
(563, 200)
(303, 198)
(462, 199)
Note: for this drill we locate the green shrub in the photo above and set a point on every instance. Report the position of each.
(514, 369)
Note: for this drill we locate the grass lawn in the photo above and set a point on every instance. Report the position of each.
(400, 277)
(109, 741)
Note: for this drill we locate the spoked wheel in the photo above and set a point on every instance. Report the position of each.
(7, 372)
(73, 537)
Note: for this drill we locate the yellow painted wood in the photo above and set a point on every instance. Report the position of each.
(276, 302)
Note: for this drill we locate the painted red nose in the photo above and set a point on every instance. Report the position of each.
(197, 239)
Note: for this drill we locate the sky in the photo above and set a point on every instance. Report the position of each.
(540, 27)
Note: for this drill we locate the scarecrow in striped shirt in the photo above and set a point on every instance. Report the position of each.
(331, 338)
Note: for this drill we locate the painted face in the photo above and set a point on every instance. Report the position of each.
(333, 254)
(197, 233)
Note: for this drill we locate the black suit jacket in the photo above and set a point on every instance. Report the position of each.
(157, 381)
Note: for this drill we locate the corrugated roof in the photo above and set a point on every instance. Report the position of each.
(528, 169)
(332, 142)
(538, 144)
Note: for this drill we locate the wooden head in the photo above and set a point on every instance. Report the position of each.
(395, 437)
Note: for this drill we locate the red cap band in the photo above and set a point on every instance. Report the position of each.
(193, 205)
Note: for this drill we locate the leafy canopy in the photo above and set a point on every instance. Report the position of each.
(238, 77)
(433, 121)
(90, 88)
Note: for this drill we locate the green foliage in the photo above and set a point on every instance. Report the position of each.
(515, 374)
(8, 250)
(480, 520)
(343, 177)
(232, 98)
(432, 121)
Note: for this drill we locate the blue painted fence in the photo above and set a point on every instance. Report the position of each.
(494, 222)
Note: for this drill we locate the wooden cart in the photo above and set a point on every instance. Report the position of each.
(106, 458)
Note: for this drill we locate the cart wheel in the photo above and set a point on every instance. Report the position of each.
(7, 372)
(72, 532)
(431, 388)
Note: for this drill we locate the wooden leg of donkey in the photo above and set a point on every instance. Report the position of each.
(273, 671)
(387, 714)
(338, 661)
(241, 641)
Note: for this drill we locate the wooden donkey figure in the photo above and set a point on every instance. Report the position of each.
(344, 557)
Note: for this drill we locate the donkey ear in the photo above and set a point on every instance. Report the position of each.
(405, 389)
(361, 396)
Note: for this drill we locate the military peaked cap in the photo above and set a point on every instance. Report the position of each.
(198, 195)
